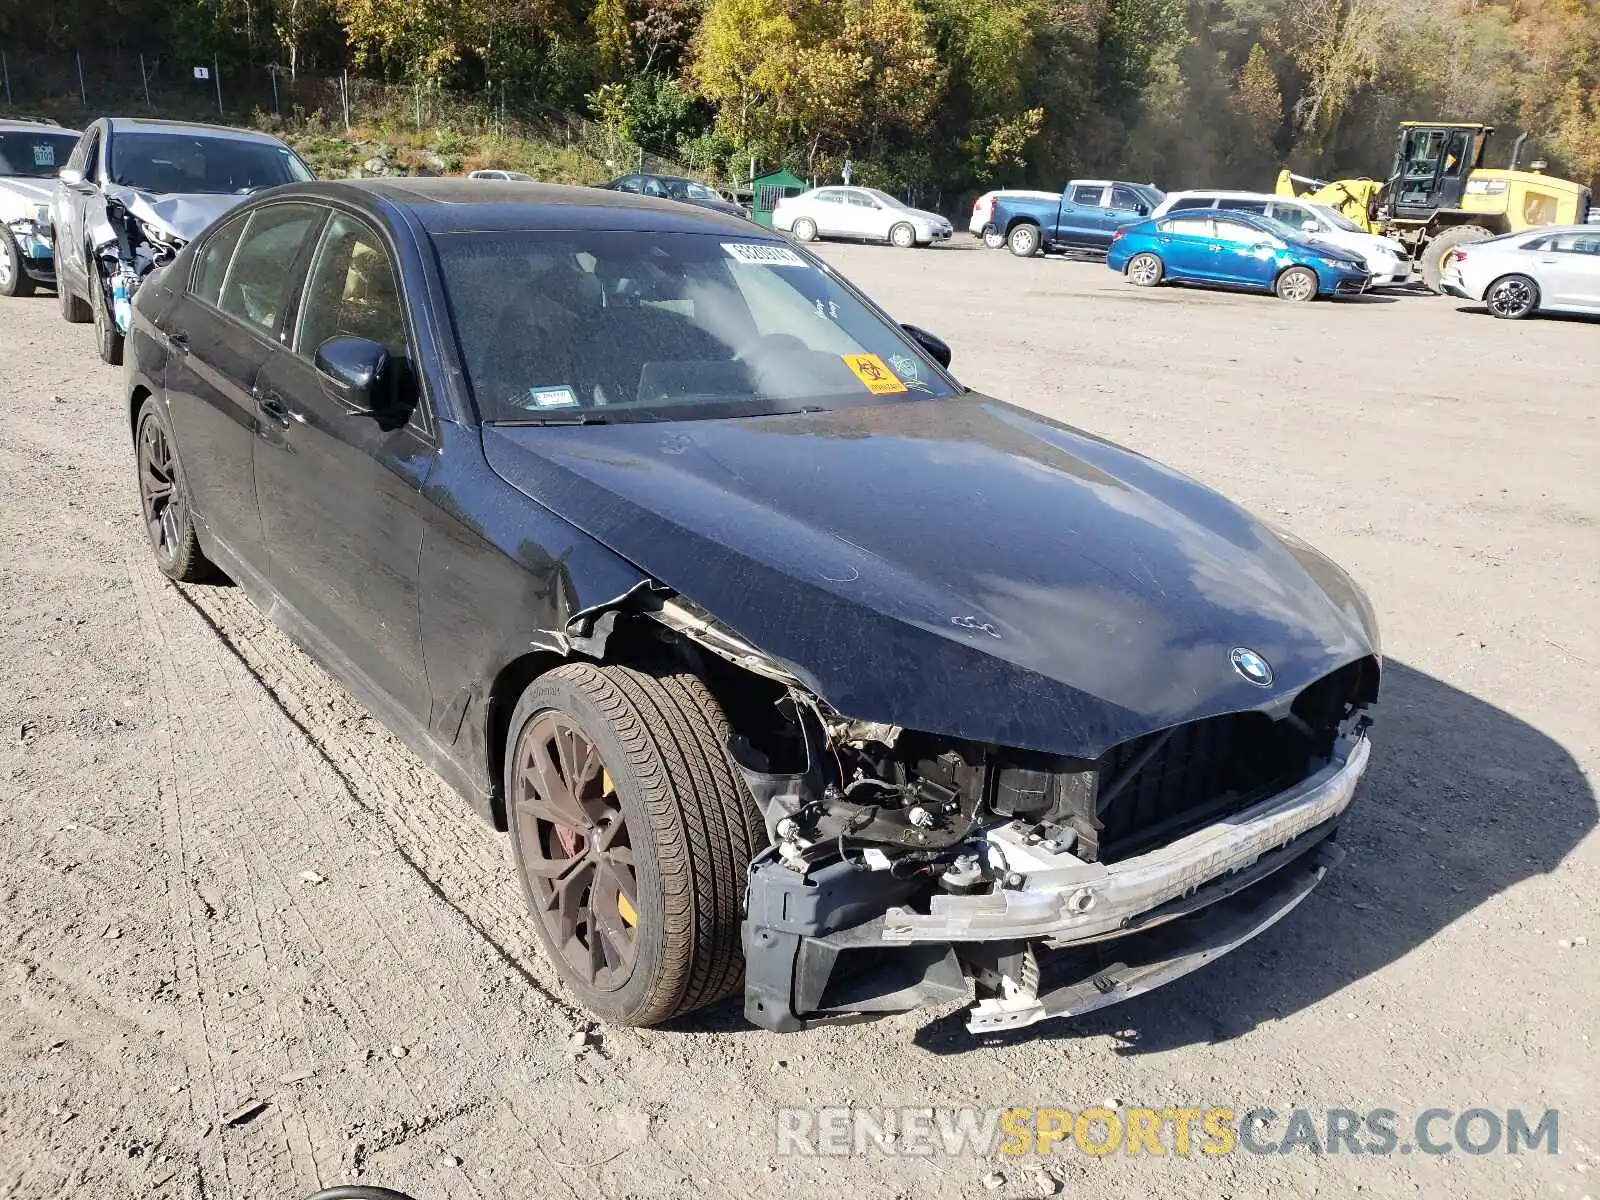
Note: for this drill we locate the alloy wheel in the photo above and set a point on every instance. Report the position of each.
(160, 492)
(1511, 298)
(1299, 286)
(1145, 270)
(8, 267)
(576, 850)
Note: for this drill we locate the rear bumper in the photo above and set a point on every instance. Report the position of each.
(1106, 931)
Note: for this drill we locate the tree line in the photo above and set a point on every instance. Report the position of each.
(957, 94)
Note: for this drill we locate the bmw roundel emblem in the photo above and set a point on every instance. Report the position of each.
(1251, 666)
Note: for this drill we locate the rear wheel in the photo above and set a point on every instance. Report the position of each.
(632, 835)
(14, 281)
(903, 235)
(164, 498)
(1024, 240)
(108, 339)
(1436, 252)
(1513, 297)
(1145, 270)
(805, 230)
(1298, 284)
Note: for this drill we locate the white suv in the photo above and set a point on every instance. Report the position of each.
(1386, 259)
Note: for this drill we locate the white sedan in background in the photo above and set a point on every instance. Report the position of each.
(983, 212)
(1554, 269)
(863, 214)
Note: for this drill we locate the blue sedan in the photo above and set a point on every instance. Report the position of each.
(1234, 249)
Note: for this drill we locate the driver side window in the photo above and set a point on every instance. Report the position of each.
(351, 291)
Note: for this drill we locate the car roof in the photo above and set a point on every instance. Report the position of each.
(12, 124)
(179, 128)
(1230, 194)
(461, 205)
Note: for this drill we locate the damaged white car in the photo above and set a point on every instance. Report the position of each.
(133, 192)
(30, 153)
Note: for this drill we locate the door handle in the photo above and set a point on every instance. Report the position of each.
(179, 341)
(271, 405)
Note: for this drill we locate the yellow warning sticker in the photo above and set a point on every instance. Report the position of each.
(875, 373)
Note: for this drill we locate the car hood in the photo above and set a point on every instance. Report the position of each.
(921, 214)
(181, 216)
(961, 567)
(22, 197)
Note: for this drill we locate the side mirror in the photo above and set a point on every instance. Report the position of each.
(356, 369)
(71, 176)
(1309, 226)
(938, 349)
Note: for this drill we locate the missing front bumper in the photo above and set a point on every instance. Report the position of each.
(840, 943)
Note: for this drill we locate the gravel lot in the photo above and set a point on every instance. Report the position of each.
(251, 947)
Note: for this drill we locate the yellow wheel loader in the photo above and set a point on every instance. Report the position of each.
(1439, 195)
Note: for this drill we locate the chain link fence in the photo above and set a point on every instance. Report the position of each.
(80, 87)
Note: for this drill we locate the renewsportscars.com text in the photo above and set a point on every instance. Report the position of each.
(1156, 1132)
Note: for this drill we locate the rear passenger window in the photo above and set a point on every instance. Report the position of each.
(259, 282)
(1259, 207)
(1088, 194)
(1189, 202)
(351, 291)
(211, 263)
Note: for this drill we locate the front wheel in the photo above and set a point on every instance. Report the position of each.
(14, 281)
(1145, 270)
(1024, 240)
(1512, 298)
(632, 835)
(107, 337)
(903, 236)
(805, 230)
(1297, 284)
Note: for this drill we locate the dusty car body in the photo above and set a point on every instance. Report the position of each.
(886, 689)
(133, 193)
(30, 152)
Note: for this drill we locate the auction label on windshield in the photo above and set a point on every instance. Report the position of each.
(875, 373)
(763, 256)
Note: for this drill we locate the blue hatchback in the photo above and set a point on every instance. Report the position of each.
(1234, 249)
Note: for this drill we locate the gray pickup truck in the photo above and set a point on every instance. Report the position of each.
(1082, 218)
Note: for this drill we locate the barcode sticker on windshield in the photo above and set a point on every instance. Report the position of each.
(763, 255)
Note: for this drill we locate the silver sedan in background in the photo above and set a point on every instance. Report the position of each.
(863, 214)
(1555, 269)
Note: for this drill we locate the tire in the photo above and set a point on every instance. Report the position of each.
(903, 235)
(805, 230)
(992, 237)
(108, 341)
(73, 310)
(1512, 297)
(690, 826)
(1298, 285)
(1024, 240)
(1431, 260)
(164, 500)
(1145, 270)
(14, 281)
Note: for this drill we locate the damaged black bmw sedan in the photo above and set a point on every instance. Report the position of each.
(784, 659)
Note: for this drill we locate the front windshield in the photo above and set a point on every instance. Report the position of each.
(199, 165)
(604, 326)
(1337, 219)
(34, 155)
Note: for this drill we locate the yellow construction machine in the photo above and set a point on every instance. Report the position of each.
(1439, 195)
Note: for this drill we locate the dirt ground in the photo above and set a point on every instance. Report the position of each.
(249, 947)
